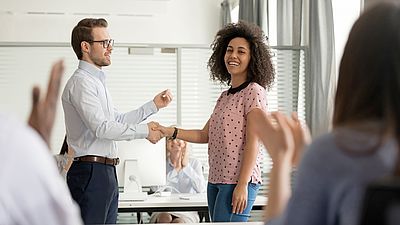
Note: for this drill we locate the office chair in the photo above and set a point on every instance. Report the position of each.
(382, 203)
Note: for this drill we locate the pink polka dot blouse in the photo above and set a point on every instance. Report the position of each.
(227, 134)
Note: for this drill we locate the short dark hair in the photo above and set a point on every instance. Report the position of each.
(260, 68)
(83, 32)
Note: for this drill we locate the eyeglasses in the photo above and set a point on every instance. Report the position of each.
(106, 43)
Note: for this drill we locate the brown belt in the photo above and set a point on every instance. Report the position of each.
(97, 159)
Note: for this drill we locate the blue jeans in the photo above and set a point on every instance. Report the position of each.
(219, 198)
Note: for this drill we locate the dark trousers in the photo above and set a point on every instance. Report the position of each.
(94, 187)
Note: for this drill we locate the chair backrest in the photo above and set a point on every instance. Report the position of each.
(382, 203)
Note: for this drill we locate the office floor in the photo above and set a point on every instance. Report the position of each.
(130, 218)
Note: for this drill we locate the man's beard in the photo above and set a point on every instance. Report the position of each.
(102, 62)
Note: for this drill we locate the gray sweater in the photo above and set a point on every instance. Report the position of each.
(332, 177)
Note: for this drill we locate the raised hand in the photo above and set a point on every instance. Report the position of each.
(154, 135)
(44, 110)
(185, 153)
(177, 153)
(163, 99)
(276, 136)
(301, 136)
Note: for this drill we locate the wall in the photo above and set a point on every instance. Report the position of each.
(345, 13)
(49, 22)
(131, 21)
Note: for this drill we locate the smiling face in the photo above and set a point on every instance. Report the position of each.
(94, 52)
(237, 58)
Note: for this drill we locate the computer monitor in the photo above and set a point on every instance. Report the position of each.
(150, 159)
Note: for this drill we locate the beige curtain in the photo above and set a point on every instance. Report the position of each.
(323, 79)
(310, 23)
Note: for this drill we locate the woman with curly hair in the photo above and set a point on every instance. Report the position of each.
(242, 60)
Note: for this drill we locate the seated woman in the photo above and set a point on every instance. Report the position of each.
(184, 175)
(64, 158)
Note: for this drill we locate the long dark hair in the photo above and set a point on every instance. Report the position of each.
(369, 75)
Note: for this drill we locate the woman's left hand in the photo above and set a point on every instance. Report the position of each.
(239, 198)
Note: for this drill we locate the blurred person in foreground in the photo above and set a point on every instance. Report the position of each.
(32, 191)
(363, 147)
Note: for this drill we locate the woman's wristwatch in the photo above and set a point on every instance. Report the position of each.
(173, 137)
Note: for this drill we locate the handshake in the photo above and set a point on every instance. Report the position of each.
(157, 131)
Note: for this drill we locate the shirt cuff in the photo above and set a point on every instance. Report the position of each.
(142, 131)
(187, 169)
(174, 173)
(152, 106)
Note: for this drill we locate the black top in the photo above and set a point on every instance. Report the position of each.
(239, 88)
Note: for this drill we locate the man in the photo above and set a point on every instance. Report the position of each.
(93, 125)
(32, 191)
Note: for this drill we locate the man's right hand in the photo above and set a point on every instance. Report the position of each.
(154, 135)
(165, 131)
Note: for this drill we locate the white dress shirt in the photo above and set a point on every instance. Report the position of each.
(92, 123)
(190, 179)
(31, 191)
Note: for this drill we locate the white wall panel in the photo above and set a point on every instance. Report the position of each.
(131, 21)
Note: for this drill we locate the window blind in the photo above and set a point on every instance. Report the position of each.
(199, 95)
(21, 68)
(134, 79)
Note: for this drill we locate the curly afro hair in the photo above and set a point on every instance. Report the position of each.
(261, 70)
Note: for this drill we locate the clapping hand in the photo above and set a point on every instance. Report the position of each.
(301, 137)
(285, 139)
(44, 110)
(185, 153)
(178, 153)
(163, 99)
(276, 135)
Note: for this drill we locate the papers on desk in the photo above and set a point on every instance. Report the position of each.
(191, 196)
(184, 197)
(132, 196)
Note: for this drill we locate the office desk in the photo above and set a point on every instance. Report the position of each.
(228, 223)
(195, 202)
(225, 223)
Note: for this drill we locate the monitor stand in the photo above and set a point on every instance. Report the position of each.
(132, 185)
